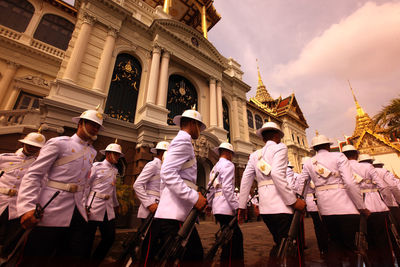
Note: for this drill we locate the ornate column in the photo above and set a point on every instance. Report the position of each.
(213, 103)
(105, 60)
(246, 125)
(220, 109)
(6, 80)
(153, 77)
(163, 84)
(75, 61)
(235, 118)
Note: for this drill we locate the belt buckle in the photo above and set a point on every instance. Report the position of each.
(12, 192)
(107, 197)
(73, 188)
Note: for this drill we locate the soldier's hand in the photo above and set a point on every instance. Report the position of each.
(28, 220)
(201, 202)
(153, 207)
(365, 212)
(240, 215)
(299, 205)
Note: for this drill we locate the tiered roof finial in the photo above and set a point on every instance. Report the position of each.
(262, 94)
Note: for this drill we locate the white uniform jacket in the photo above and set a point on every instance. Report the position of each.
(59, 212)
(346, 197)
(14, 166)
(147, 186)
(310, 199)
(102, 181)
(177, 198)
(369, 185)
(274, 198)
(393, 184)
(221, 196)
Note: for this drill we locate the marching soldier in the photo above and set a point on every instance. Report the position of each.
(12, 168)
(224, 205)
(339, 199)
(178, 184)
(367, 178)
(61, 234)
(147, 189)
(277, 201)
(320, 230)
(102, 203)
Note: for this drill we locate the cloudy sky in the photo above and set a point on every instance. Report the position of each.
(311, 48)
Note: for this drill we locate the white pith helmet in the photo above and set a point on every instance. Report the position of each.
(91, 115)
(304, 159)
(269, 126)
(191, 114)
(163, 145)
(113, 148)
(365, 157)
(290, 165)
(34, 139)
(224, 145)
(320, 139)
(377, 162)
(349, 148)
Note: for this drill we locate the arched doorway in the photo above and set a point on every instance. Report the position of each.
(124, 88)
(182, 95)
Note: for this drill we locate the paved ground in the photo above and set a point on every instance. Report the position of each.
(257, 242)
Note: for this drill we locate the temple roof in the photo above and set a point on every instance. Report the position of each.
(187, 11)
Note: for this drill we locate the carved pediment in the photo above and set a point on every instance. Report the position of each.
(372, 145)
(190, 37)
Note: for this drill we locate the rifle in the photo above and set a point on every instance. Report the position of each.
(90, 205)
(132, 245)
(222, 237)
(361, 243)
(175, 247)
(288, 246)
(13, 244)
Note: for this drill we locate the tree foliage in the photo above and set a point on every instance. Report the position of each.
(389, 117)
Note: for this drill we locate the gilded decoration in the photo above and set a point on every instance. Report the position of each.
(124, 88)
(181, 96)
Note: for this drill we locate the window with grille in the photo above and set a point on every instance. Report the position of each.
(226, 119)
(259, 121)
(54, 30)
(250, 121)
(27, 101)
(16, 14)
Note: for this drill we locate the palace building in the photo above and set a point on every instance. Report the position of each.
(141, 62)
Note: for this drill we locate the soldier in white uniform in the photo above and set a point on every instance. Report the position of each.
(277, 200)
(339, 198)
(178, 178)
(102, 202)
(379, 250)
(222, 200)
(147, 189)
(320, 230)
(61, 234)
(12, 168)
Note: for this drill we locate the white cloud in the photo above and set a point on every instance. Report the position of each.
(363, 47)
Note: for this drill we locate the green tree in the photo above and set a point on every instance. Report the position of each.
(389, 117)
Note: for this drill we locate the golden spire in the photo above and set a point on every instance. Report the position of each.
(262, 94)
(316, 133)
(260, 82)
(360, 111)
(116, 141)
(167, 5)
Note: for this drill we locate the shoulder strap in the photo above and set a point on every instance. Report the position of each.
(19, 165)
(188, 164)
(320, 169)
(105, 177)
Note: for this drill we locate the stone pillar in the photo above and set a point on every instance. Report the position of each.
(163, 84)
(154, 75)
(213, 103)
(105, 60)
(75, 61)
(235, 118)
(6, 80)
(32, 26)
(220, 109)
(246, 125)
